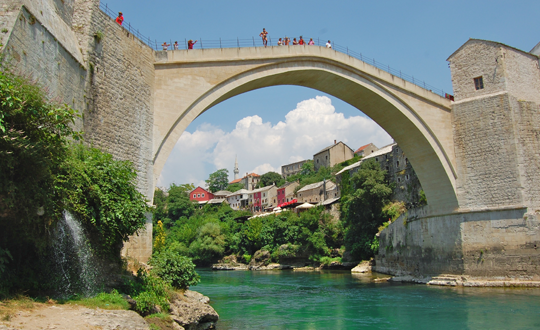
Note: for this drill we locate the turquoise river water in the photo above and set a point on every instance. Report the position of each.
(341, 300)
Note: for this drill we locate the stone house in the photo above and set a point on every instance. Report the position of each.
(483, 67)
(366, 150)
(285, 193)
(222, 194)
(399, 171)
(249, 181)
(292, 168)
(332, 155)
(317, 192)
(261, 199)
(239, 199)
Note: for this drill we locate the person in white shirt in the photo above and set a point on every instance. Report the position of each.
(329, 44)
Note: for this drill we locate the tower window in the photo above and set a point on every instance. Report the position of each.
(478, 83)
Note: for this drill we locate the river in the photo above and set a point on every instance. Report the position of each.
(341, 300)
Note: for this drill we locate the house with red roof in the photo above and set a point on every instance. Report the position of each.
(200, 195)
(249, 181)
(368, 149)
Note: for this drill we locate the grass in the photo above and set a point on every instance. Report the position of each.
(159, 321)
(113, 300)
(9, 307)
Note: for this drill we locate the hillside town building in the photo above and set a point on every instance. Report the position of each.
(200, 195)
(285, 193)
(239, 200)
(332, 155)
(317, 192)
(292, 168)
(261, 199)
(249, 181)
(366, 150)
(399, 171)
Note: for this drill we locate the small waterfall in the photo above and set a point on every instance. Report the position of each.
(77, 269)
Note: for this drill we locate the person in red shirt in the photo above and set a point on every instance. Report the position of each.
(191, 43)
(120, 18)
(301, 41)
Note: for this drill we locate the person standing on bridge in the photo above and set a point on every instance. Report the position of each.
(165, 45)
(264, 36)
(287, 41)
(301, 42)
(279, 42)
(175, 46)
(294, 42)
(120, 18)
(311, 42)
(191, 43)
(329, 44)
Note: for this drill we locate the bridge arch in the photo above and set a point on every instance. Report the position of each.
(188, 83)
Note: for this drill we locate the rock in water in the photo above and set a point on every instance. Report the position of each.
(192, 311)
(363, 267)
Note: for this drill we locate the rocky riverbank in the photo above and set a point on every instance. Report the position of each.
(189, 311)
(262, 261)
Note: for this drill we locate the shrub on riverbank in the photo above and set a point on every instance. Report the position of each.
(43, 172)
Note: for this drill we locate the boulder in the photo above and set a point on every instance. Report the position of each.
(363, 267)
(260, 258)
(192, 312)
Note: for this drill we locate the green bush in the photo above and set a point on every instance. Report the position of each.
(174, 269)
(102, 193)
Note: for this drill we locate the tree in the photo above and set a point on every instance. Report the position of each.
(270, 178)
(219, 180)
(362, 210)
(235, 187)
(178, 202)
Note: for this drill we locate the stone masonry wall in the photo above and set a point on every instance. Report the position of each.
(491, 244)
(486, 154)
(527, 117)
(119, 118)
(477, 58)
(34, 52)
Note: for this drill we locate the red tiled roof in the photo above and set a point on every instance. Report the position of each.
(253, 174)
(362, 148)
(236, 181)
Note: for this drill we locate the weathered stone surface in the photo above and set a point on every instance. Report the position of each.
(363, 267)
(68, 317)
(191, 311)
(260, 258)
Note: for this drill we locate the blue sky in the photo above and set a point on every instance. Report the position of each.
(415, 37)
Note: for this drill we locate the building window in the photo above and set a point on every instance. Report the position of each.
(317, 161)
(326, 157)
(406, 160)
(387, 168)
(397, 163)
(202, 195)
(198, 195)
(478, 83)
(376, 159)
(194, 195)
(398, 179)
(407, 177)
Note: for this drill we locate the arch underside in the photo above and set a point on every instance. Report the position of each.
(392, 111)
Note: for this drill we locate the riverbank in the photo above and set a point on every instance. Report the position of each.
(188, 310)
(366, 267)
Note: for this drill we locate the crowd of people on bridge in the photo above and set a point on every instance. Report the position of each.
(287, 41)
(264, 35)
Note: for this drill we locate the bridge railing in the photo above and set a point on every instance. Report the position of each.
(257, 42)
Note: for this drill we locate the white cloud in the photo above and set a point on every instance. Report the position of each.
(262, 147)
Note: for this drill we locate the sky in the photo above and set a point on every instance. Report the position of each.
(293, 122)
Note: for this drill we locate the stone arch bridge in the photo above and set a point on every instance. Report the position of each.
(189, 82)
(478, 158)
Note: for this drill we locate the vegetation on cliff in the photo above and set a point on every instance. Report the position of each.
(44, 171)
